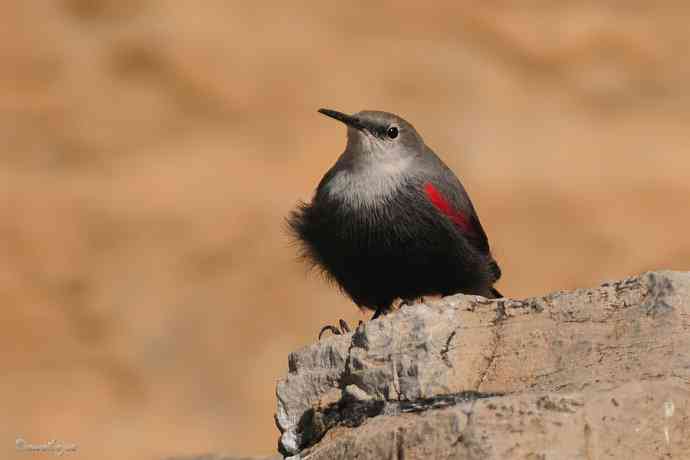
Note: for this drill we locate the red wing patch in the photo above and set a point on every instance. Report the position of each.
(440, 202)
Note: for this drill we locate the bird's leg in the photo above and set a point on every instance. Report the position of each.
(342, 328)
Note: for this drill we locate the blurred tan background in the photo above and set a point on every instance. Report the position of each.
(151, 149)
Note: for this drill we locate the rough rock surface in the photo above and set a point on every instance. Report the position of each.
(593, 373)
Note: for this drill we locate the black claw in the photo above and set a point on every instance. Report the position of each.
(328, 327)
(344, 327)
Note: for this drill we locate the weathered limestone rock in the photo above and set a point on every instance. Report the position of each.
(593, 373)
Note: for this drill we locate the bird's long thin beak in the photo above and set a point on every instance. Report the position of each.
(349, 120)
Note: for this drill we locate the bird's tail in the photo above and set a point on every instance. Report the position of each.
(495, 293)
(495, 270)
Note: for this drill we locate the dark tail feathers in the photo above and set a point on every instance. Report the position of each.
(495, 270)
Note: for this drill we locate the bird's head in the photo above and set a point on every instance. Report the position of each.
(378, 135)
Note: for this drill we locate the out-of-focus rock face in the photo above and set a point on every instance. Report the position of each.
(593, 373)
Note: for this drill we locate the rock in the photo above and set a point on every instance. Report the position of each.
(593, 373)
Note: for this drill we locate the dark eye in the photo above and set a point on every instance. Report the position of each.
(392, 132)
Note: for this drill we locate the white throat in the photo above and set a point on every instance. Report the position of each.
(369, 183)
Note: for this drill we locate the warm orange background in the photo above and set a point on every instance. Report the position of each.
(151, 149)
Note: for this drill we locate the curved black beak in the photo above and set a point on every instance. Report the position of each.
(349, 120)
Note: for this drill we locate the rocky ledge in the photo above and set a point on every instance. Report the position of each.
(591, 374)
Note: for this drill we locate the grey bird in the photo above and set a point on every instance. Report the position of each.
(391, 221)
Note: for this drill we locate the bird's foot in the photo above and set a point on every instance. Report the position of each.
(342, 328)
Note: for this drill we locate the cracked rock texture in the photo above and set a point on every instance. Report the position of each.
(592, 373)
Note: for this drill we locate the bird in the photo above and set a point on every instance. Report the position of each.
(391, 221)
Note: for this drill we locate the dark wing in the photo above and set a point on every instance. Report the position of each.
(464, 220)
(446, 193)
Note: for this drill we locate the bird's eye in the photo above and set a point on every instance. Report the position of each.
(392, 132)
